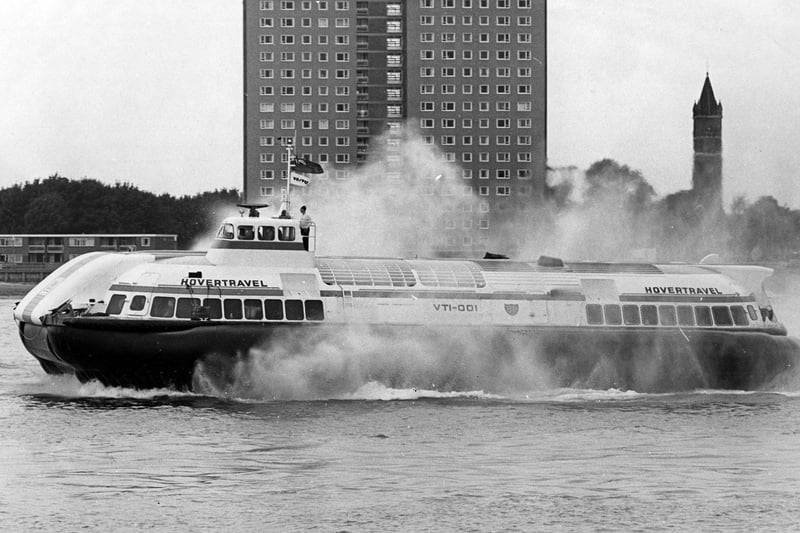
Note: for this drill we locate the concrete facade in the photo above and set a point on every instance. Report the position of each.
(348, 80)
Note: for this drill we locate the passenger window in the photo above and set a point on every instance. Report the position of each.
(266, 233)
(274, 309)
(115, 304)
(703, 316)
(594, 314)
(286, 233)
(163, 307)
(253, 310)
(613, 314)
(225, 232)
(739, 315)
(246, 233)
(722, 315)
(187, 307)
(213, 308)
(666, 313)
(233, 309)
(138, 302)
(630, 315)
(750, 311)
(649, 315)
(294, 310)
(314, 310)
(685, 315)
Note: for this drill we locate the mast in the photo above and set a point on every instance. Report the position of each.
(286, 205)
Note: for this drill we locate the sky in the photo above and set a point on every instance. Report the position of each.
(150, 91)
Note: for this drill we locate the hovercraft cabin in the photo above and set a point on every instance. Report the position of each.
(31, 257)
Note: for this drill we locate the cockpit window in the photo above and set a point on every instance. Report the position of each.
(115, 304)
(266, 233)
(138, 302)
(246, 233)
(286, 233)
(225, 232)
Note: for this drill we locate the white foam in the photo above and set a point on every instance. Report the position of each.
(582, 395)
(378, 391)
(68, 386)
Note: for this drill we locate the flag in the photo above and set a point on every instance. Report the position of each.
(299, 179)
(306, 166)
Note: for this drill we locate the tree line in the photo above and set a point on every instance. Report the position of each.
(61, 205)
(621, 212)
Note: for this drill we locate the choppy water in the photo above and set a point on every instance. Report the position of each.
(378, 459)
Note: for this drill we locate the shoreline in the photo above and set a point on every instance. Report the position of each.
(10, 290)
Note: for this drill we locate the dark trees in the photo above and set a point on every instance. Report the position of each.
(60, 205)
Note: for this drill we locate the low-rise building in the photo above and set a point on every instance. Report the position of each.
(30, 257)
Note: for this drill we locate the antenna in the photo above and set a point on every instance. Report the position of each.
(251, 208)
(287, 203)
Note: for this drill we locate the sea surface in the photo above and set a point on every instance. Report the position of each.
(375, 458)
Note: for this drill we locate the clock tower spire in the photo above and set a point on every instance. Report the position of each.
(707, 170)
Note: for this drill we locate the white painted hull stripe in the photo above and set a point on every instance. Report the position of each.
(70, 268)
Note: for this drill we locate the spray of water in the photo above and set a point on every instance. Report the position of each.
(338, 363)
(608, 215)
(213, 216)
(380, 362)
(399, 214)
(370, 214)
(783, 289)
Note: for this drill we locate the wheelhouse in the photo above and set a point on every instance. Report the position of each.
(277, 241)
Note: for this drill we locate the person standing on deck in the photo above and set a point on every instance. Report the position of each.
(305, 225)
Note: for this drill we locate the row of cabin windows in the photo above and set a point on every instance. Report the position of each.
(669, 315)
(262, 233)
(215, 308)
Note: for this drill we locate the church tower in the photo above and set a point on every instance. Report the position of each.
(707, 171)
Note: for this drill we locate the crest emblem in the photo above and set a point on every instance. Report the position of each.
(511, 309)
